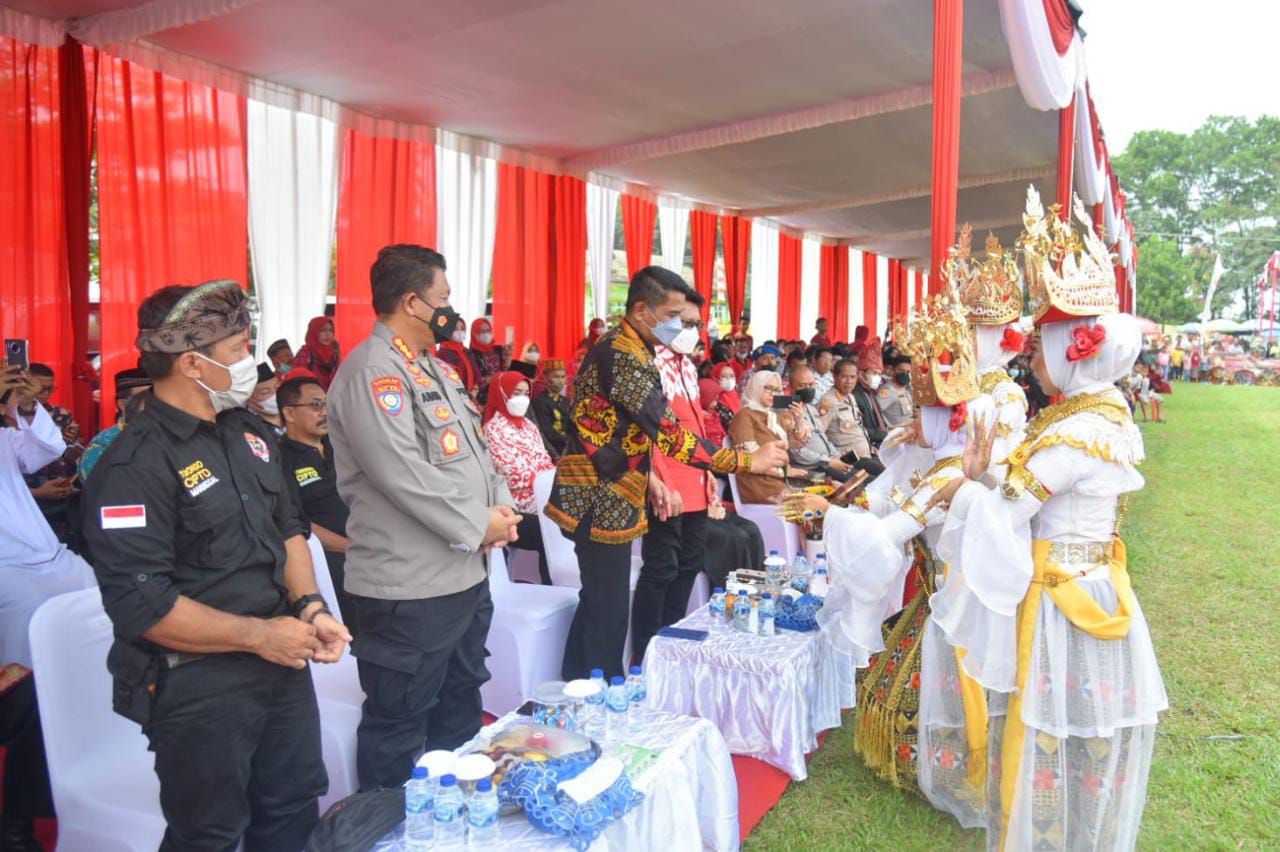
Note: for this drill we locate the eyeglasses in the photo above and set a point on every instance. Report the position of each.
(698, 324)
(316, 405)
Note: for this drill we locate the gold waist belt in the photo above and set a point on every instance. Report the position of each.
(1079, 552)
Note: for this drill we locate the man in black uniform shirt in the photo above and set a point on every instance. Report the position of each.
(309, 469)
(551, 408)
(200, 554)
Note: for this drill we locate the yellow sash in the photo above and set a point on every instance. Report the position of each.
(1082, 611)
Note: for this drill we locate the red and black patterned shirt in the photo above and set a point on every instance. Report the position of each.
(619, 414)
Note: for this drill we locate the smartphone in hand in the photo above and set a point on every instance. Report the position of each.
(783, 403)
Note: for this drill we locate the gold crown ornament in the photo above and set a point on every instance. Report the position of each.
(1069, 275)
(990, 289)
(938, 340)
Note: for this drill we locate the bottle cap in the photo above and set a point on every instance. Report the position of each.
(635, 670)
(449, 781)
(766, 596)
(718, 590)
(773, 553)
(484, 785)
(616, 680)
(420, 773)
(597, 673)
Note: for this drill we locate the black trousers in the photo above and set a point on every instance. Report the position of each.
(421, 667)
(337, 563)
(531, 539)
(26, 793)
(598, 633)
(237, 746)
(674, 552)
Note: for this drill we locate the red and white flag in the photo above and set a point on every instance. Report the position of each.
(123, 517)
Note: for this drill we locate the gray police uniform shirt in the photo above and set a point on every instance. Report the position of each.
(895, 404)
(414, 468)
(843, 424)
(815, 454)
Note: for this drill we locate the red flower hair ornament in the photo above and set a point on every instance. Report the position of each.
(959, 414)
(1013, 340)
(1088, 342)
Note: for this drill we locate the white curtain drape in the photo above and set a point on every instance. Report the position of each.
(1046, 79)
(602, 218)
(855, 290)
(882, 295)
(673, 225)
(810, 285)
(764, 277)
(1091, 175)
(1110, 217)
(293, 204)
(467, 221)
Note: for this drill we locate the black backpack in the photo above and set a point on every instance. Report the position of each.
(357, 822)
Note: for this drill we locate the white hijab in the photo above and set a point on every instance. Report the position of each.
(936, 421)
(990, 355)
(1115, 357)
(751, 397)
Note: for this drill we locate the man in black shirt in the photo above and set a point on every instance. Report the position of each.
(551, 408)
(200, 555)
(310, 472)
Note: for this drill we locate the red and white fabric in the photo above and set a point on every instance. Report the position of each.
(519, 455)
(680, 386)
(1090, 159)
(1047, 74)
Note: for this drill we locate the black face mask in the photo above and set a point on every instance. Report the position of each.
(442, 323)
(902, 378)
(806, 395)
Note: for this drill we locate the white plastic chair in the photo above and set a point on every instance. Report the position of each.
(103, 778)
(338, 696)
(778, 534)
(700, 594)
(526, 637)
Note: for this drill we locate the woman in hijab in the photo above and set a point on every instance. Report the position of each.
(320, 354)
(757, 424)
(519, 455)
(488, 357)
(529, 362)
(455, 353)
(725, 403)
(594, 332)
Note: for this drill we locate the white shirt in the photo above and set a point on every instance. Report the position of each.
(25, 537)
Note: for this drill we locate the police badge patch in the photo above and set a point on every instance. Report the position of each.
(388, 392)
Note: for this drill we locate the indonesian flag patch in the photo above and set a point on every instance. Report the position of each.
(123, 517)
(388, 392)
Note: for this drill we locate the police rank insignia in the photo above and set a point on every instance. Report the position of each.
(388, 392)
(451, 373)
(258, 446)
(449, 442)
(443, 412)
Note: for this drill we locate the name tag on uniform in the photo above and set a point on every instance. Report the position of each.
(123, 517)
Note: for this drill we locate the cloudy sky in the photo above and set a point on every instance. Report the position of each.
(1170, 64)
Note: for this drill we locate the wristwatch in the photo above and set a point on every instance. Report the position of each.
(305, 601)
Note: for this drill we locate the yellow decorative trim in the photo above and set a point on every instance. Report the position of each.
(988, 382)
(914, 511)
(1019, 481)
(1102, 404)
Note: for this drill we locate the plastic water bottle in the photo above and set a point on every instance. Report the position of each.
(635, 687)
(618, 703)
(767, 614)
(482, 815)
(450, 816)
(821, 582)
(595, 704)
(800, 572)
(419, 821)
(775, 569)
(742, 614)
(717, 610)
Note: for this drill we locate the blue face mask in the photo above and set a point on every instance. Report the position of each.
(666, 331)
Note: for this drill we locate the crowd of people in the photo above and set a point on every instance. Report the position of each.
(415, 453)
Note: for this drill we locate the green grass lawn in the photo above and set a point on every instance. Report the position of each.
(1205, 561)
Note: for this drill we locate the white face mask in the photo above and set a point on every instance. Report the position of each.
(874, 382)
(244, 378)
(727, 384)
(269, 406)
(459, 337)
(484, 338)
(532, 357)
(517, 406)
(685, 342)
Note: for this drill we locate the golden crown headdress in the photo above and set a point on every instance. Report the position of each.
(990, 289)
(1069, 274)
(938, 340)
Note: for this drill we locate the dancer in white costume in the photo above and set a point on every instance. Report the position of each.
(1038, 594)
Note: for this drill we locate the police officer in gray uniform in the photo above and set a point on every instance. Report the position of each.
(426, 506)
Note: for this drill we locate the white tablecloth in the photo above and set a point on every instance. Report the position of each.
(690, 793)
(769, 696)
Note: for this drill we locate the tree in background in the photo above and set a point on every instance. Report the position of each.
(1191, 195)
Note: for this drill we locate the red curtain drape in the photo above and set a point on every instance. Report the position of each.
(569, 281)
(34, 303)
(897, 289)
(702, 231)
(833, 290)
(75, 104)
(522, 257)
(1066, 151)
(1061, 25)
(172, 196)
(1122, 288)
(638, 218)
(386, 195)
(870, 292)
(919, 285)
(735, 235)
(789, 259)
(948, 45)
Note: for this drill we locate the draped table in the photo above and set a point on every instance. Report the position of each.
(769, 696)
(690, 792)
